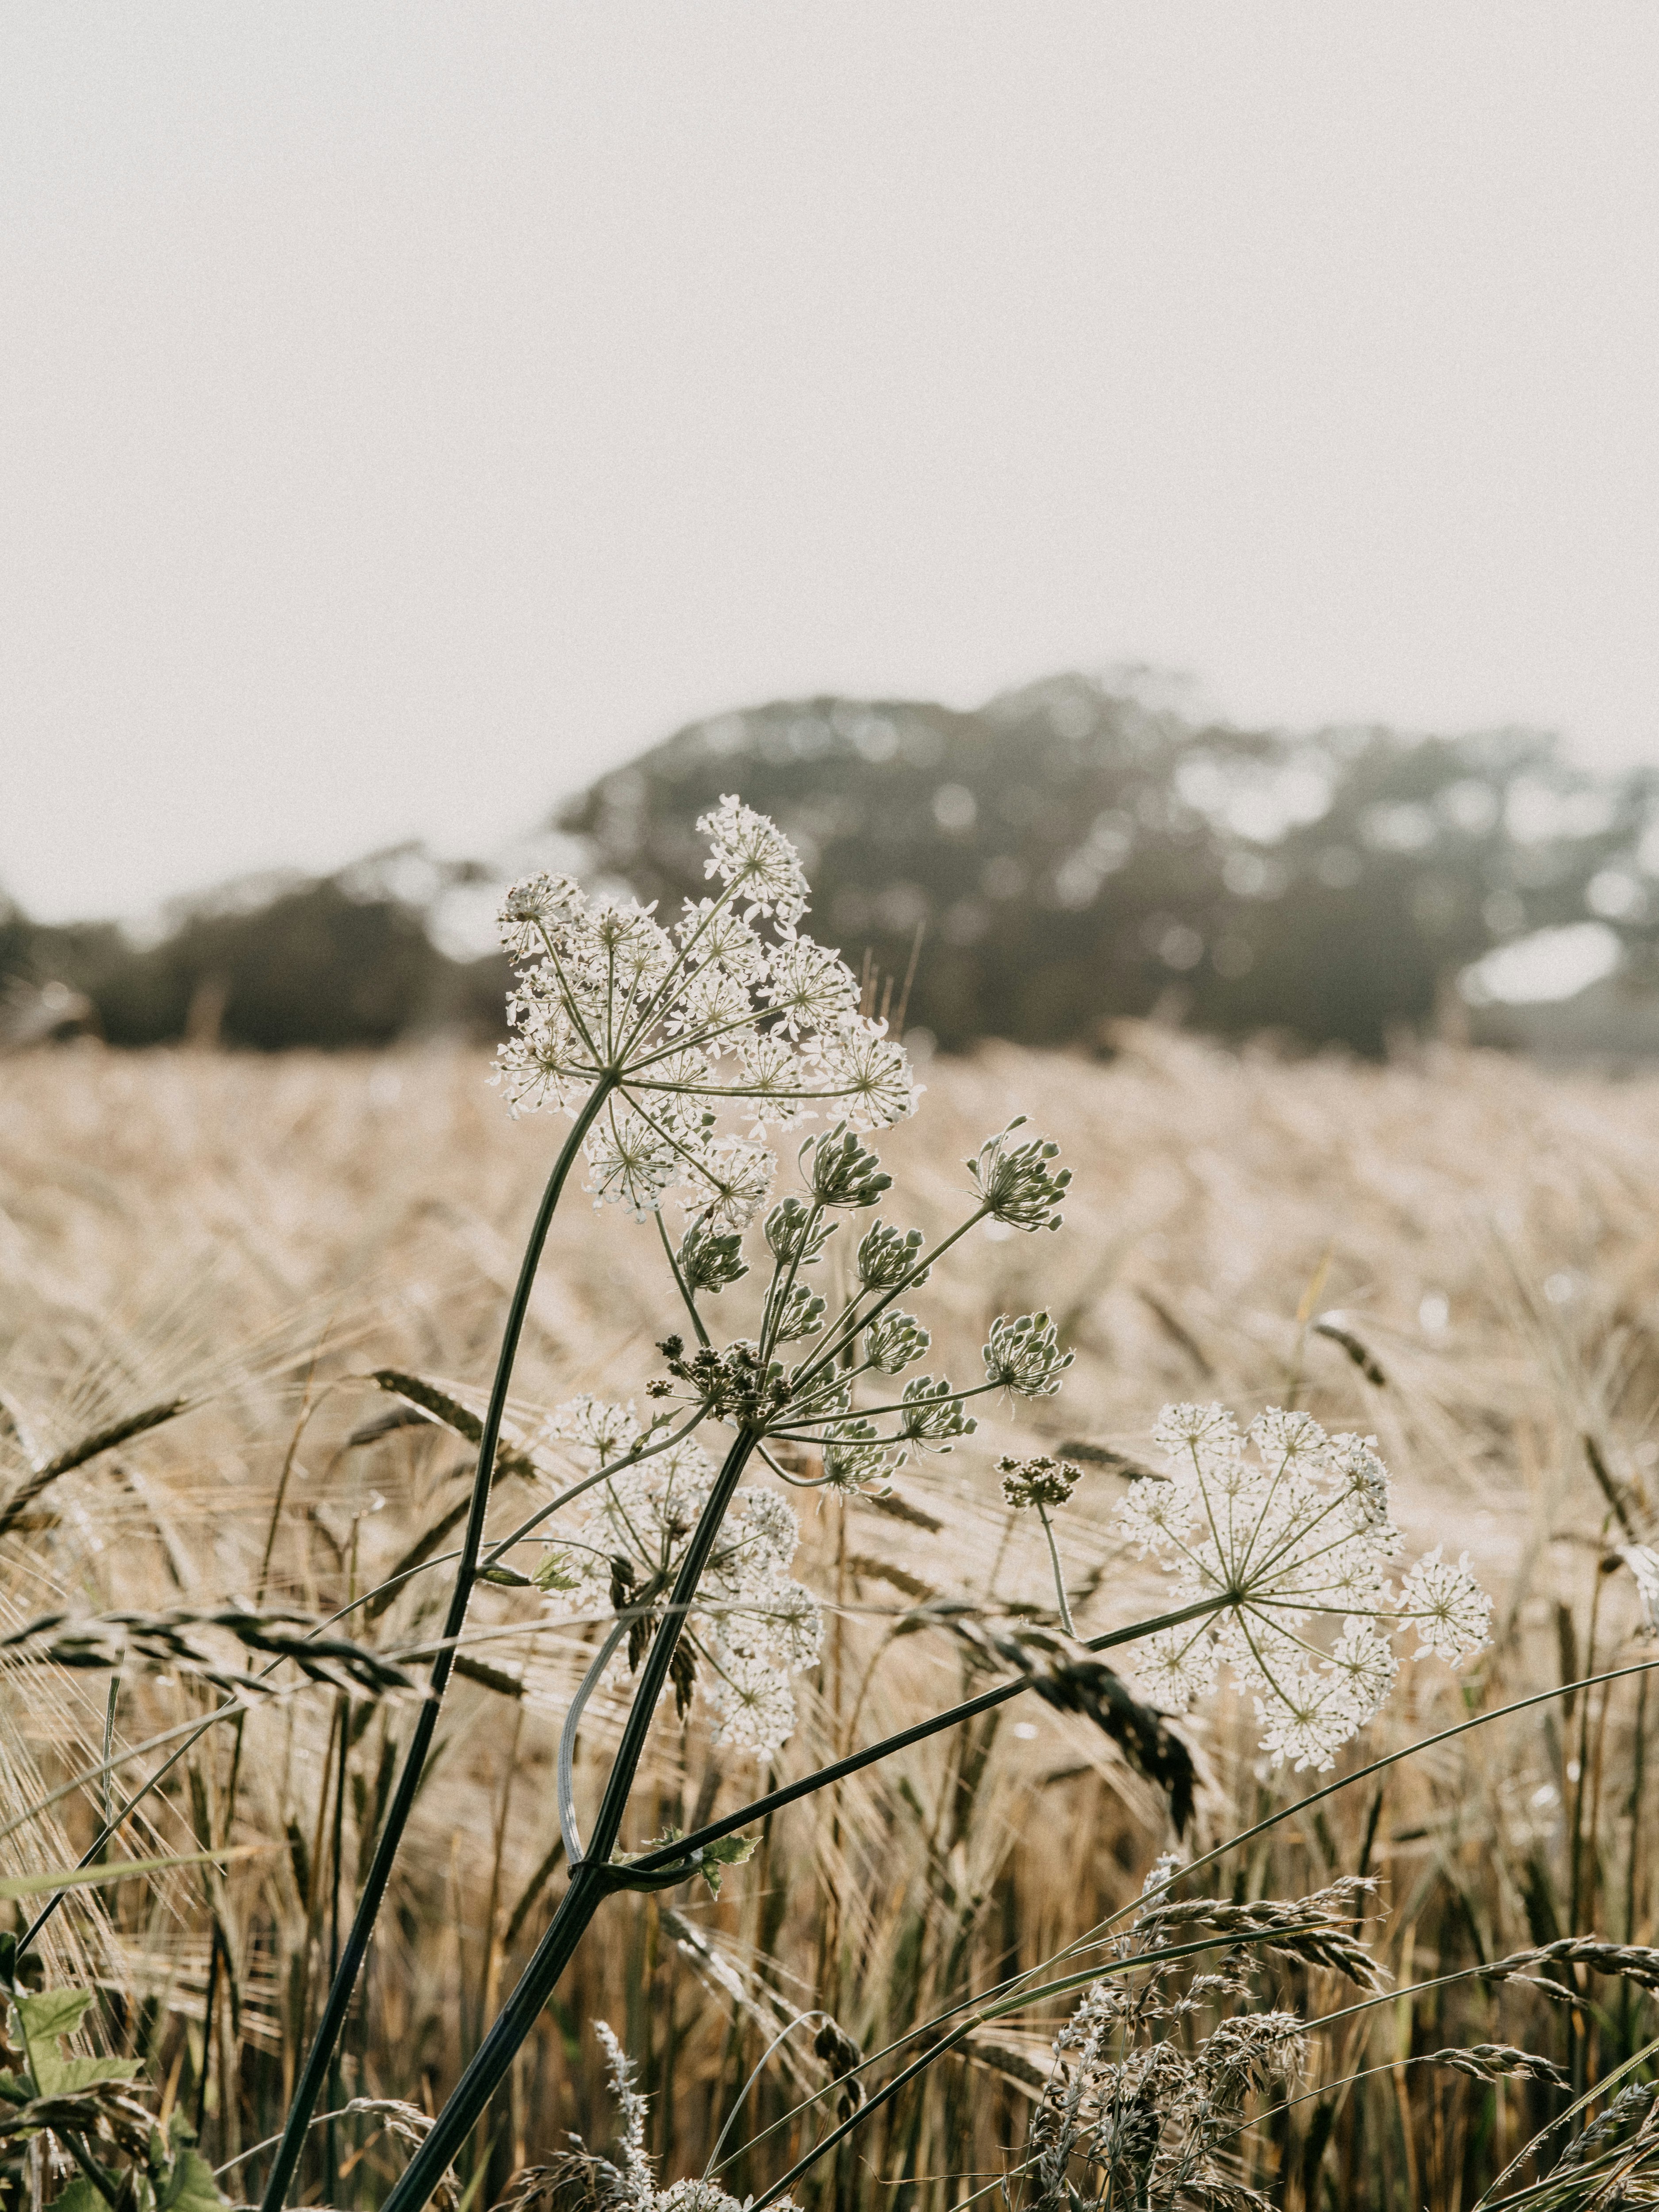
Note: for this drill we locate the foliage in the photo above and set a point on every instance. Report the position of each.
(1061, 857)
(1067, 855)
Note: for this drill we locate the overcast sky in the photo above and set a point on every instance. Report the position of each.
(411, 410)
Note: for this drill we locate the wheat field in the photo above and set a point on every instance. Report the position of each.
(257, 1236)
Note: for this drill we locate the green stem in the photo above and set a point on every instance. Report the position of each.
(1059, 1579)
(591, 1877)
(315, 2074)
(821, 1777)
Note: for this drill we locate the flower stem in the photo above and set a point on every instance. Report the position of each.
(1060, 1580)
(591, 1877)
(311, 2080)
(822, 1777)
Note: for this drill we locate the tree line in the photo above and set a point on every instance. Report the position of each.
(1033, 869)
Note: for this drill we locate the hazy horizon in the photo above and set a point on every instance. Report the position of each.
(412, 412)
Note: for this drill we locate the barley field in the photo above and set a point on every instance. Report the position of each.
(1458, 1253)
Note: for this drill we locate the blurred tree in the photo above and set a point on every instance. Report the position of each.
(336, 962)
(1068, 854)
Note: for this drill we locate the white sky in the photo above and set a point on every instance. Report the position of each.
(409, 410)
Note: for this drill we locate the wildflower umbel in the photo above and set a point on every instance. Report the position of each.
(752, 1627)
(1040, 1482)
(1288, 1530)
(681, 1025)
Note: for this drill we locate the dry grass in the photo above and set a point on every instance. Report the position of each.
(257, 1235)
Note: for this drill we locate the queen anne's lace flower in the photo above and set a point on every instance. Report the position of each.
(752, 1626)
(680, 1026)
(808, 988)
(1024, 1355)
(632, 1159)
(1446, 1605)
(862, 1066)
(1288, 1531)
(756, 860)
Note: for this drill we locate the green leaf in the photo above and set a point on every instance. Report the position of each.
(38, 1884)
(41, 2021)
(79, 2196)
(190, 2186)
(725, 1851)
(54, 2012)
(553, 1571)
(73, 2074)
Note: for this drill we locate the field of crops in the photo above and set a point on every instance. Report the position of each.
(258, 1237)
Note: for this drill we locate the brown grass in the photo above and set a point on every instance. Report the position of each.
(257, 1235)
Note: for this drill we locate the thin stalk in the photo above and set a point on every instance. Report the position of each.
(839, 1769)
(672, 1258)
(315, 2073)
(1060, 1578)
(590, 1877)
(337, 1852)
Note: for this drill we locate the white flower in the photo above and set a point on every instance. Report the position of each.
(729, 1184)
(871, 1076)
(750, 1626)
(710, 932)
(808, 988)
(1368, 1661)
(755, 1705)
(1308, 1720)
(1288, 1533)
(538, 903)
(685, 1025)
(1643, 1563)
(633, 1161)
(754, 858)
(1447, 1607)
(602, 1431)
(773, 1079)
(1177, 1666)
(774, 1619)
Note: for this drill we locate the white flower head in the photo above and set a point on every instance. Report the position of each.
(535, 904)
(752, 857)
(868, 1073)
(687, 1026)
(1287, 1534)
(750, 1626)
(632, 1161)
(715, 935)
(808, 988)
(755, 1703)
(1447, 1607)
(729, 1184)
(593, 1426)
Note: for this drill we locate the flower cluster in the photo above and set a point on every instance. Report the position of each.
(1024, 1355)
(1016, 1183)
(1287, 1533)
(752, 1626)
(679, 1024)
(1041, 1482)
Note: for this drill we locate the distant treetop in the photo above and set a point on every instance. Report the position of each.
(1067, 854)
